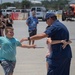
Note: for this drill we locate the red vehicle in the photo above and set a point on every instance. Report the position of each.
(70, 13)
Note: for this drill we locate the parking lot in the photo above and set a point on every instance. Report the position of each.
(32, 61)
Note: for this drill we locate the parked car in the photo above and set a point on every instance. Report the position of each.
(6, 11)
(69, 13)
(51, 11)
(58, 12)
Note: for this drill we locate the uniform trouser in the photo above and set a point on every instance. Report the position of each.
(59, 67)
(32, 32)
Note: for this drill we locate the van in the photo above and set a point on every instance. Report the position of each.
(40, 12)
(9, 11)
(12, 8)
(20, 10)
(3, 12)
(6, 11)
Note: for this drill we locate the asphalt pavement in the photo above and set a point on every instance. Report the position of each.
(32, 61)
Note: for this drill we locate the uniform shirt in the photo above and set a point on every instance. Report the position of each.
(8, 48)
(58, 31)
(32, 23)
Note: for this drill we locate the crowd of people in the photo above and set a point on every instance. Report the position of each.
(5, 21)
(58, 57)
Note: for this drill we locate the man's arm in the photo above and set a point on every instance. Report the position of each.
(35, 37)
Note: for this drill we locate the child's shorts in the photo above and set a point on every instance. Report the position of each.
(8, 66)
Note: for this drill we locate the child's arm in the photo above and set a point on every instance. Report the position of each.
(65, 43)
(53, 41)
(27, 46)
(58, 41)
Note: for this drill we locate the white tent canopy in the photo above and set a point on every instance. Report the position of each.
(36, 2)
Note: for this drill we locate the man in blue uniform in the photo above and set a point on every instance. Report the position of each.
(59, 59)
(32, 22)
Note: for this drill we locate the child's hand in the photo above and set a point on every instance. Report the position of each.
(48, 54)
(33, 46)
(48, 41)
(65, 43)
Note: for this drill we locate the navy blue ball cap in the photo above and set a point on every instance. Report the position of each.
(49, 15)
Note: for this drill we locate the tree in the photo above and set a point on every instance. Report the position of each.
(55, 4)
(26, 4)
(7, 4)
(17, 4)
(46, 3)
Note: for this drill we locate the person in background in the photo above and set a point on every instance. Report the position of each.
(8, 46)
(2, 27)
(3, 18)
(32, 22)
(0, 12)
(30, 12)
(3, 23)
(9, 21)
(59, 59)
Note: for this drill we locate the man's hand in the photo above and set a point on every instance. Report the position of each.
(33, 46)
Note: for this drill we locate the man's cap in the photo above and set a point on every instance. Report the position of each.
(49, 15)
